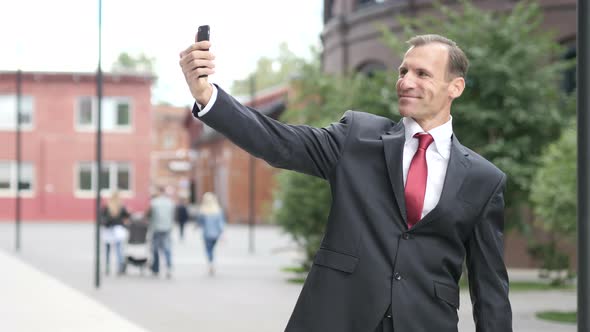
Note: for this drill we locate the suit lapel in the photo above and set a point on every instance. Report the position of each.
(393, 145)
(459, 163)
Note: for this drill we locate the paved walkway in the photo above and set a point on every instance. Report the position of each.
(34, 301)
(49, 286)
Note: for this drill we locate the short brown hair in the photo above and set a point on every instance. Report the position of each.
(458, 62)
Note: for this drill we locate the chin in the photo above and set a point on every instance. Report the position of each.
(406, 112)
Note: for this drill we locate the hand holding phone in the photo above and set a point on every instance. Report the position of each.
(203, 33)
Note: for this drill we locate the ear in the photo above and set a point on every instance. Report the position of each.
(456, 87)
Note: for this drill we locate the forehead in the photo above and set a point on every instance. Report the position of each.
(432, 56)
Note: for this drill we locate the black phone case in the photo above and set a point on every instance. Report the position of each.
(203, 34)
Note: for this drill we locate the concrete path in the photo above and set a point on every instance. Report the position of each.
(34, 301)
(248, 294)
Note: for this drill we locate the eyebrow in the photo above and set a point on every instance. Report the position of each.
(417, 69)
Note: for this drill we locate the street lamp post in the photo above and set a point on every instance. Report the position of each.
(583, 164)
(98, 148)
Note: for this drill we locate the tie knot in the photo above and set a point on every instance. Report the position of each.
(424, 140)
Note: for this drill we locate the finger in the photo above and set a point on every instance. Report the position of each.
(200, 63)
(205, 55)
(202, 45)
(188, 66)
(198, 72)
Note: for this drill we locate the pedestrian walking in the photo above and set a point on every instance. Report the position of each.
(161, 217)
(212, 221)
(114, 217)
(182, 215)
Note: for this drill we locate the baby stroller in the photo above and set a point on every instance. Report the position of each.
(136, 250)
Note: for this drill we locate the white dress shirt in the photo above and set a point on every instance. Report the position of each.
(437, 158)
(437, 154)
(209, 104)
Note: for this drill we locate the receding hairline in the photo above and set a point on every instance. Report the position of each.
(457, 61)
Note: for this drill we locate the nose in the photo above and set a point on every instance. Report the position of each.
(406, 83)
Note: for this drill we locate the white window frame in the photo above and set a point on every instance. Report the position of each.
(94, 114)
(113, 167)
(11, 192)
(23, 126)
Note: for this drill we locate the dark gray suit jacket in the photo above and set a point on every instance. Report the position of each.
(368, 258)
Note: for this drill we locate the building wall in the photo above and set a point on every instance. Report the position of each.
(55, 147)
(170, 158)
(351, 37)
(224, 168)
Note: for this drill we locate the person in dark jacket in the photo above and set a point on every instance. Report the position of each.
(114, 218)
(410, 203)
(181, 216)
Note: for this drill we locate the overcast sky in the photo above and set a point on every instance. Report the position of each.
(62, 35)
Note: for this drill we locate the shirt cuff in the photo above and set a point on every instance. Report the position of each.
(212, 100)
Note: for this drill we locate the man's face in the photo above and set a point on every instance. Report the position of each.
(422, 86)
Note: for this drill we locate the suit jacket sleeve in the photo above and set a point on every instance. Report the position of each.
(313, 151)
(488, 279)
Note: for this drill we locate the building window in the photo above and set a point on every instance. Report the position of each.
(8, 180)
(569, 76)
(8, 112)
(114, 176)
(116, 113)
(363, 3)
(168, 141)
(370, 68)
(328, 10)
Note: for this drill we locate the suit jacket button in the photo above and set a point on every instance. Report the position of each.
(406, 236)
(397, 276)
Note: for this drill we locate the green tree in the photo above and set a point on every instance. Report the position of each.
(511, 107)
(128, 63)
(270, 72)
(553, 194)
(322, 99)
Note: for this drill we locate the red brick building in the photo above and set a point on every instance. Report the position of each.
(59, 117)
(352, 40)
(223, 168)
(170, 163)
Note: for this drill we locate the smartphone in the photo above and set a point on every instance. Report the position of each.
(203, 34)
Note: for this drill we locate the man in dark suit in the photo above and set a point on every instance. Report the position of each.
(410, 204)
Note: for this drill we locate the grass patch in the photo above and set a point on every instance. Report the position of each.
(558, 316)
(299, 280)
(298, 272)
(526, 286)
(293, 269)
(537, 286)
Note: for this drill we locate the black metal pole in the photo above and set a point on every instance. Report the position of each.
(583, 163)
(19, 83)
(98, 147)
(252, 177)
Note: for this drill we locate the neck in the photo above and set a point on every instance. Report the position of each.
(431, 123)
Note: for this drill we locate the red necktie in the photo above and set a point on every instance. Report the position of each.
(416, 180)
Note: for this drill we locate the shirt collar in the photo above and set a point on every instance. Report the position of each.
(441, 134)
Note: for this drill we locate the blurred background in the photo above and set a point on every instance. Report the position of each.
(301, 62)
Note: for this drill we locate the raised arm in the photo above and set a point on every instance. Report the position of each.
(313, 151)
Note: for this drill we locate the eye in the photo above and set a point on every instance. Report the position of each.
(402, 72)
(422, 73)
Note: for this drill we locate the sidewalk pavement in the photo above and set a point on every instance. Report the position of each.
(33, 301)
(249, 293)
